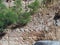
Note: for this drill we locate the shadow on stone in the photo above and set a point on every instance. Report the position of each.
(14, 26)
(57, 18)
(2, 35)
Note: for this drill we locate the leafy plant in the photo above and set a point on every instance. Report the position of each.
(2, 15)
(7, 17)
(18, 7)
(24, 18)
(2, 20)
(34, 6)
(12, 15)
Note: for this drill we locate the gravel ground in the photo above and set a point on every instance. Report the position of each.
(41, 27)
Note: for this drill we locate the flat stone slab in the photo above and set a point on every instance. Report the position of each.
(47, 43)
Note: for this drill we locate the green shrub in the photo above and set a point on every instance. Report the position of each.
(34, 6)
(2, 19)
(18, 7)
(13, 15)
(24, 18)
(2, 15)
(7, 17)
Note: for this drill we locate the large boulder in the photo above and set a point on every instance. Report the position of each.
(47, 43)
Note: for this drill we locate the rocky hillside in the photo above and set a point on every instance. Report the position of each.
(41, 27)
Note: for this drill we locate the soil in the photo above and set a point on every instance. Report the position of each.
(41, 27)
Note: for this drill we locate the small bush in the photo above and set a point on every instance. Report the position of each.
(24, 18)
(34, 6)
(7, 17)
(14, 15)
(11, 17)
(2, 19)
(18, 7)
(2, 15)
